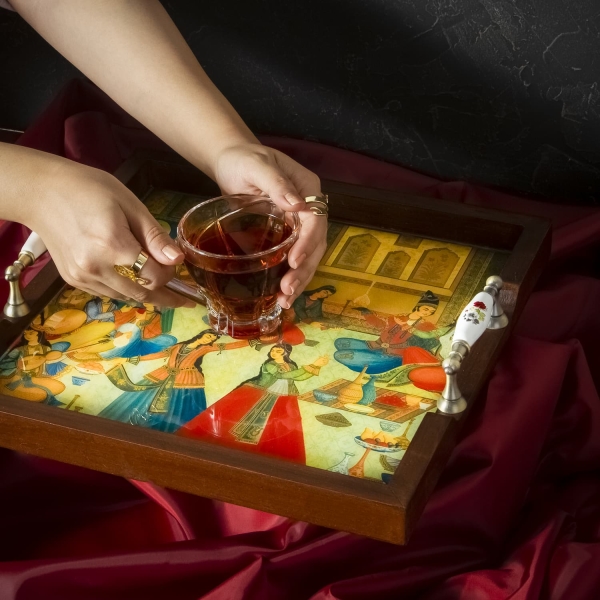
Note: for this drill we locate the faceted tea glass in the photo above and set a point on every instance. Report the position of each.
(236, 249)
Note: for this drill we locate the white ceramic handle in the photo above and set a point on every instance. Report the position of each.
(34, 245)
(474, 319)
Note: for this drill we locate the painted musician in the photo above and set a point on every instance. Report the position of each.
(399, 332)
(403, 339)
(28, 371)
(134, 52)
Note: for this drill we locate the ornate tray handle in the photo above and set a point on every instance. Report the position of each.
(483, 312)
(31, 251)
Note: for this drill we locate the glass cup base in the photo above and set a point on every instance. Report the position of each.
(265, 325)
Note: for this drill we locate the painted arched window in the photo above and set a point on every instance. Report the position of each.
(435, 267)
(394, 264)
(357, 253)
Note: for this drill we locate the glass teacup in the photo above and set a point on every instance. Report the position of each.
(236, 249)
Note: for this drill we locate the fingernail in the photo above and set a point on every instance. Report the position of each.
(284, 303)
(172, 252)
(293, 286)
(293, 198)
(299, 260)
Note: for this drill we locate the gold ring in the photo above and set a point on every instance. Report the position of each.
(139, 263)
(318, 205)
(133, 272)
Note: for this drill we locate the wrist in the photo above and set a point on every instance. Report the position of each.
(25, 175)
(237, 144)
(53, 190)
(62, 185)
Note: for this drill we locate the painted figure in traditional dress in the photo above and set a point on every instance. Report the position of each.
(262, 414)
(141, 337)
(429, 377)
(27, 371)
(403, 339)
(154, 322)
(308, 306)
(106, 310)
(170, 396)
(101, 308)
(71, 327)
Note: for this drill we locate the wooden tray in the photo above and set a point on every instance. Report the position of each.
(398, 258)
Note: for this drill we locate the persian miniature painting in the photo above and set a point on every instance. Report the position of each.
(344, 385)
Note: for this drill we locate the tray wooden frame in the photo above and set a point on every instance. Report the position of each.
(384, 512)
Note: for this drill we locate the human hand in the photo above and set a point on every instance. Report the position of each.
(90, 222)
(256, 169)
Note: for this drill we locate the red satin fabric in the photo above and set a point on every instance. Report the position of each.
(515, 515)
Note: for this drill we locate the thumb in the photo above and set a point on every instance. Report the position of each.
(273, 182)
(154, 238)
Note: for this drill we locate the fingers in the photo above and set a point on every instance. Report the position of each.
(254, 169)
(156, 275)
(304, 257)
(161, 297)
(308, 250)
(304, 181)
(312, 238)
(112, 230)
(153, 238)
(143, 295)
(163, 254)
(296, 279)
(273, 181)
(100, 278)
(121, 288)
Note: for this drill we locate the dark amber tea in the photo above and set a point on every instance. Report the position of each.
(242, 235)
(237, 253)
(245, 294)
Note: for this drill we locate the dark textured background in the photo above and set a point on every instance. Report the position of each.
(495, 91)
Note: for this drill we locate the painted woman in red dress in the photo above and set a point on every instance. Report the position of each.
(262, 414)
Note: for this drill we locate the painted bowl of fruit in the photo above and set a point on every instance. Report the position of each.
(380, 441)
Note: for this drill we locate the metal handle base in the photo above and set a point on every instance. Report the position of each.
(16, 306)
(499, 320)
